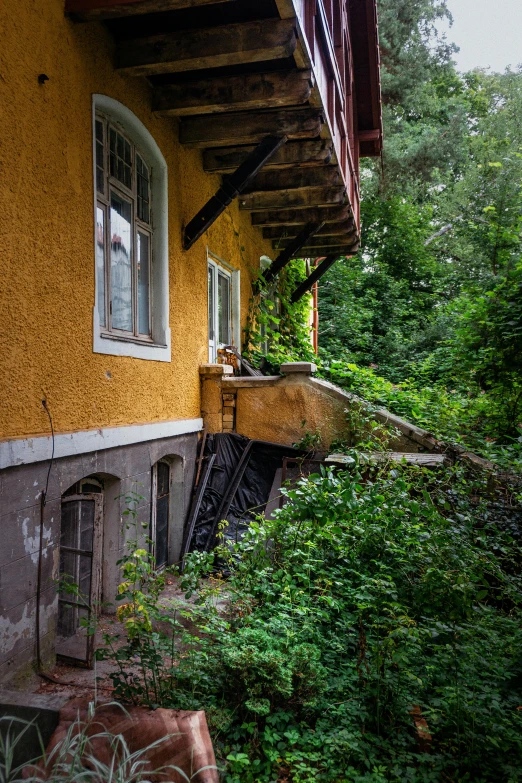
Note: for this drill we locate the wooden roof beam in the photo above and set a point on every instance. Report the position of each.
(321, 245)
(292, 217)
(233, 93)
(291, 179)
(295, 154)
(292, 199)
(249, 127)
(329, 229)
(316, 252)
(213, 47)
(97, 10)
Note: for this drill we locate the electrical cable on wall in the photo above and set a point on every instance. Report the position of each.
(43, 501)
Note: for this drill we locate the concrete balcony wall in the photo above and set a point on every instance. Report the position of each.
(284, 408)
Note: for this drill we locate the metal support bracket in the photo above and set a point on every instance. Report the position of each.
(318, 272)
(232, 186)
(290, 252)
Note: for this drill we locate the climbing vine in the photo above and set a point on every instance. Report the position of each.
(277, 330)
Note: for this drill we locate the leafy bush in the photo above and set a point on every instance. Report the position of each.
(371, 592)
(470, 417)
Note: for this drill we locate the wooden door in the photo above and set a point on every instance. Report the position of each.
(80, 567)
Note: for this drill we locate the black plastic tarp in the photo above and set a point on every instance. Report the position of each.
(234, 486)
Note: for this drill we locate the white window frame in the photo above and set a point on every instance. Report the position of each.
(157, 347)
(218, 266)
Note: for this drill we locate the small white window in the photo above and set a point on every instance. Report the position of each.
(219, 309)
(131, 312)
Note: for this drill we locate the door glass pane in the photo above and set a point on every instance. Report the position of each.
(163, 478)
(69, 570)
(162, 513)
(121, 263)
(84, 577)
(67, 620)
(86, 525)
(223, 309)
(162, 524)
(70, 525)
(143, 283)
(100, 263)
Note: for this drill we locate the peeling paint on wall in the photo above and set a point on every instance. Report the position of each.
(32, 543)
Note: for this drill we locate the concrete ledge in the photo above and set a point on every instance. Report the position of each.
(219, 370)
(42, 710)
(306, 368)
(251, 382)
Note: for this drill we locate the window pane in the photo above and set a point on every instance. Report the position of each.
(100, 162)
(224, 309)
(210, 303)
(143, 188)
(143, 283)
(163, 475)
(120, 158)
(69, 534)
(121, 263)
(100, 263)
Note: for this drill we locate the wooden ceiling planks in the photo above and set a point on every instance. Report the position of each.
(295, 154)
(253, 69)
(215, 47)
(293, 217)
(250, 91)
(99, 10)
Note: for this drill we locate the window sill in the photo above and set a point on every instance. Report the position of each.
(136, 340)
(119, 345)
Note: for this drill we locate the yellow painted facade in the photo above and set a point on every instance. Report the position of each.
(47, 228)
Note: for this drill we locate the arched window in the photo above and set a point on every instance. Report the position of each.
(131, 313)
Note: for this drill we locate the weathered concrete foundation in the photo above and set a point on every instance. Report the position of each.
(120, 471)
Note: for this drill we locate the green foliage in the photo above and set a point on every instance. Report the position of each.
(432, 302)
(371, 591)
(277, 330)
(453, 415)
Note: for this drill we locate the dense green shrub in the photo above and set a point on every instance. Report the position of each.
(371, 591)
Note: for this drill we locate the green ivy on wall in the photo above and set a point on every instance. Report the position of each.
(277, 330)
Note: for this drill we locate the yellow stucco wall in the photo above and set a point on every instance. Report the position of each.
(46, 237)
